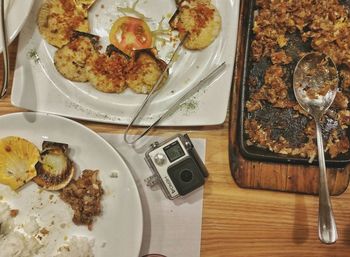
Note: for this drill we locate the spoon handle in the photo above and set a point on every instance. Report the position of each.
(6, 61)
(327, 229)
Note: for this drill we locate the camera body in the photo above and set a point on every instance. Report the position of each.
(176, 166)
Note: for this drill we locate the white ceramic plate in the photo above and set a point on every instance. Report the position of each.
(38, 86)
(17, 12)
(118, 231)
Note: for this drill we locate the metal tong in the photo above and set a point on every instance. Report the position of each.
(6, 61)
(176, 104)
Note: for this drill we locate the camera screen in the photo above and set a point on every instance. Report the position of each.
(174, 151)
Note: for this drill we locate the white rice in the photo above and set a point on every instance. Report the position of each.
(14, 243)
(6, 222)
(76, 247)
(23, 243)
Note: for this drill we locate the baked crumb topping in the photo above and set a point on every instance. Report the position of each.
(284, 31)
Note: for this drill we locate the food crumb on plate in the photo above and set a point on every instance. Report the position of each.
(76, 247)
(13, 242)
(114, 174)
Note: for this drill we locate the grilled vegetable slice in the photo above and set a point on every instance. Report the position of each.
(106, 72)
(58, 19)
(17, 161)
(144, 71)
(200, 19)
(70, 60)
(130, 33)
(54, 170)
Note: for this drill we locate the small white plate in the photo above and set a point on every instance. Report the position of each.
(118, 231)
(16, 12)
(39, 87)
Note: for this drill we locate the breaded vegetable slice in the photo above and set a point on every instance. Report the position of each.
(107, 72)
(58, 19)
(71, 59)
(200, 19)
(144, 71)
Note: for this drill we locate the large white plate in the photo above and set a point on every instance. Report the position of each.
(118, 232)
(39, 87)
(17, 12)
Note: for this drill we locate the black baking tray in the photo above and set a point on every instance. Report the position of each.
(283, 116)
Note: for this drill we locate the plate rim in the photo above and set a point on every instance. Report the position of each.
(105, 142)
(76, 109)
(13, 29)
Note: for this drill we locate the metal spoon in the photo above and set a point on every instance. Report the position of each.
(315, 84)
(6, 60)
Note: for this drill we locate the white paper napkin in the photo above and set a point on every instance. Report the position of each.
(171, 228)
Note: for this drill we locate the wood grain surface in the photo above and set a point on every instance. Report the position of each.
(241, 222)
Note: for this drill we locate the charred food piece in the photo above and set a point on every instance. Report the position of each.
(71, 59)
(85, 4)
(58, 19)
(84, 196)
(107, 72)
(144, 71)
(54, 169)
(200, 19)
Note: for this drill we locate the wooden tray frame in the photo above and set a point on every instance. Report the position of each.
(264, 175)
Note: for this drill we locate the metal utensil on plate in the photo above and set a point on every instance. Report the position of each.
(315, 82)
(150, 95)
(6, 61)
(174, 106)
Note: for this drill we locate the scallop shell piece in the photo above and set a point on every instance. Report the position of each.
(58, 19)
(144, 71)
(71, 59)
(18, 157)
(54, 170)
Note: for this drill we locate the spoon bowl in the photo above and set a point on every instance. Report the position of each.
(315, 83)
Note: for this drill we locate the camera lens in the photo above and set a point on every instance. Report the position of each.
(186, 175)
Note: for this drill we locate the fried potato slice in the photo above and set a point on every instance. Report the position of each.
(18, 157)
(144, 71)
(107, 72)
(58, 19)
(71, 59)
(200, 19)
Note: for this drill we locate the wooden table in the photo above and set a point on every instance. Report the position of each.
(242, 222)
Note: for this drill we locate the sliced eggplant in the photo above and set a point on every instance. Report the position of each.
(71, 59)
(58, 19)
(144, 71)
(200, 19)
(55, 169)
